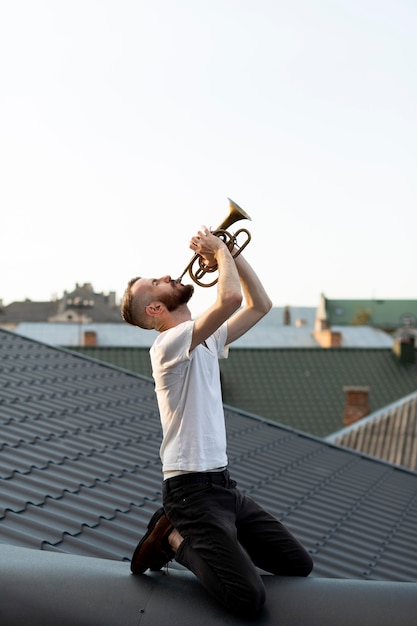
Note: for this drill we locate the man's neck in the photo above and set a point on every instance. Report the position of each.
(173, 318)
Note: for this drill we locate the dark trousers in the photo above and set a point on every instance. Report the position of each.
(227, 537)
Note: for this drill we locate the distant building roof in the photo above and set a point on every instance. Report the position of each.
(270, 332)
(386, 314)
(27, 311)
(73, 334)
(80, 305)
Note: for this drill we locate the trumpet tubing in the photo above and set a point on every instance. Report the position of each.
(231, 240)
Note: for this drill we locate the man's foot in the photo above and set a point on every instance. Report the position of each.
(153, 550)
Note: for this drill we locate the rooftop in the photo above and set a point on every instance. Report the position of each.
(387, 314)
(80, 475)
(80, 468)
(270, 332)
(301, 388)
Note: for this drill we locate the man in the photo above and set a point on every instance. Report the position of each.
(206, 523)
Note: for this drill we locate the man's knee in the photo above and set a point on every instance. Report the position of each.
(304, 566)
(307, 565)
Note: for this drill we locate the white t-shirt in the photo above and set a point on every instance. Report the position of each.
(188, 391)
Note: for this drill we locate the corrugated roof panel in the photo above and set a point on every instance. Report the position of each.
(389, 434)
(115, 538)
(302, 388)
(16, 431)
(16, 494)
(342, 555)
(31, 528)
(87, 504)
(54, 481)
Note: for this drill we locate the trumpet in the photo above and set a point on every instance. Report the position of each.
(231, 241)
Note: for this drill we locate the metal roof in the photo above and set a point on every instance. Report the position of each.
(70, 334)
(389, 434)
(270, 332)
(80, 471)
(363, 337)
(379, 312)
(302, 388)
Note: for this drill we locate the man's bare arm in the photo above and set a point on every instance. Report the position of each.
(257, 302)
(229, 296)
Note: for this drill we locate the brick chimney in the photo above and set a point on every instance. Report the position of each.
(327, 338)
(356, 404)
(323, 333)
(89, 338)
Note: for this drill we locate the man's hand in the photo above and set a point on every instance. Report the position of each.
(206, 245)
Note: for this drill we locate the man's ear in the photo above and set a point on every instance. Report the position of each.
(154, 309)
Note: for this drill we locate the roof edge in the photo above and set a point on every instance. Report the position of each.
(42, 588)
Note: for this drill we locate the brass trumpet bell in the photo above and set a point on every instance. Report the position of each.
(235, 214)
(198, 273)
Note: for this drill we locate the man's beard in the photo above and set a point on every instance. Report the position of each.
(180, 295)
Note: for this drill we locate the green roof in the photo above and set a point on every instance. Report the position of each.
(298, 387)
(389, 314)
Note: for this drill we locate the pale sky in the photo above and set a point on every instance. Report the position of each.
(126, 125)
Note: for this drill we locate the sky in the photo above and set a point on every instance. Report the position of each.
(126, 125)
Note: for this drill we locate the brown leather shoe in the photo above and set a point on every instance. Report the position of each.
(153, 550)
